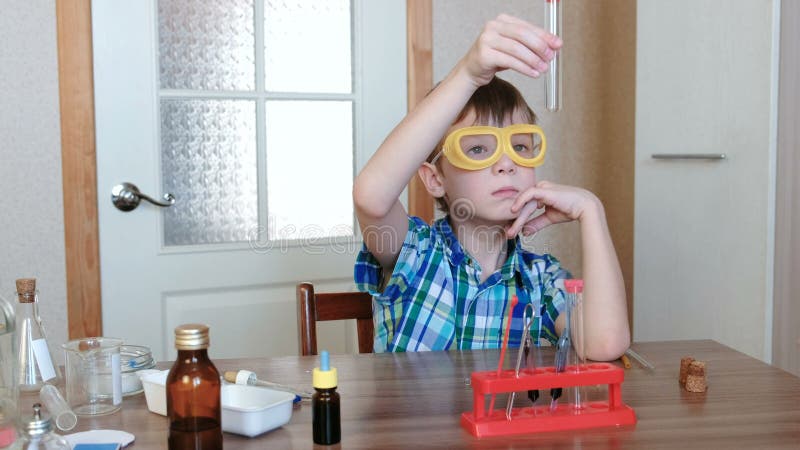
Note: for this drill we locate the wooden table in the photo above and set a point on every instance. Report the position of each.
(414, 400)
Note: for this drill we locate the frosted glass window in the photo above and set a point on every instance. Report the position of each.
(309, 169)
(206, 45)
(307, 45)
(208, 161)
(220, 150)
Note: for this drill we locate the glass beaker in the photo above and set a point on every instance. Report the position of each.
(134, 358)
(93, 375)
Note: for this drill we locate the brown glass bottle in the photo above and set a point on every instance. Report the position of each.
(194, 405)
(326, 419)
(325, 409)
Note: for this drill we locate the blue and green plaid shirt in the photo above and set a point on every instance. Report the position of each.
(434, 299)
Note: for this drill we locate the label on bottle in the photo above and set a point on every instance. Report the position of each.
(116, 379)
(43, 361)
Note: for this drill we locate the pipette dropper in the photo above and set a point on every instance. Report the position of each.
(249, 378)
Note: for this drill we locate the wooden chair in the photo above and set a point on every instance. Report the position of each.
(332, 306)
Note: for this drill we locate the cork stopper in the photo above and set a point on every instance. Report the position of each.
(191, 336)
(696, 377)
(697, 368)
(685, 362)
(26, 290)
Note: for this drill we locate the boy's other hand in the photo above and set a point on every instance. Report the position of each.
(508, 42)
(561, 204)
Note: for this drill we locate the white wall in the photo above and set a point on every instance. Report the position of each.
(31, 202)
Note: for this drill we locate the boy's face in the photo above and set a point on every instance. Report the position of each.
(486, 195)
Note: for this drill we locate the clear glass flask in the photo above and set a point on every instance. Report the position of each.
(8, 381)
(35, 363)
(552, 80)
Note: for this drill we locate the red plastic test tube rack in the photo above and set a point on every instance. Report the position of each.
(535, 419)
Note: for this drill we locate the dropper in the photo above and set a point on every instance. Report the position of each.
(249, 378)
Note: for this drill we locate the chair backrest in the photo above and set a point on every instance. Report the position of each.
(313, 307)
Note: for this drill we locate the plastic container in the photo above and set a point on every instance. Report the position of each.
(251, 410)
(134, 358)
(154, 383)
(246, 410)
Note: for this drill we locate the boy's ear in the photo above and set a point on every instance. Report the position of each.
(432, 179)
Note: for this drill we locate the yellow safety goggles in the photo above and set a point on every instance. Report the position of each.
(475, 148)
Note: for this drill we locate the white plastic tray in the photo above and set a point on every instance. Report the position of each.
(246, 410)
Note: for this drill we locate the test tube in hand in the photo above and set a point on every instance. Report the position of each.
(58, 408)
(552, 79)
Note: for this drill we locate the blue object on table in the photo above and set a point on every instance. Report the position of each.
(86, 446)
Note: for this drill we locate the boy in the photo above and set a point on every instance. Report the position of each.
(448, 285)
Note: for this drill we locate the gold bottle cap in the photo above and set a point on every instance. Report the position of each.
(26, 290)
(191, 336)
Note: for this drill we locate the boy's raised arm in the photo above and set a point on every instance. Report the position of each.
(381, 216)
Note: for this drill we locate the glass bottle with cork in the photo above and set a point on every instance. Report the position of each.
(194, 405)
(325, 411)
(35, 361)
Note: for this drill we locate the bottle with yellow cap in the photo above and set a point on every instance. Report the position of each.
(194, 404)
(326, 419)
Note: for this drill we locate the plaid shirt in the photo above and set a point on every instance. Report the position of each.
(434, 299)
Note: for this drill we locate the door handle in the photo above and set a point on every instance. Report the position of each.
(126, 197)
(708, 156)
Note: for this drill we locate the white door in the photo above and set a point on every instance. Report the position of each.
(703, 227)
(256, 115)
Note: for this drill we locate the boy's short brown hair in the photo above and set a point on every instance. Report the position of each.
(491, 103)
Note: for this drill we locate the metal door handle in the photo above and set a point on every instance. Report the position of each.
(709, 156)
(126, 197)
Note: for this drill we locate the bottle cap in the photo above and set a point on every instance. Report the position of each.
(324, 376)
(191, 336)
(26, 290)
(37, 424)
(573, 286)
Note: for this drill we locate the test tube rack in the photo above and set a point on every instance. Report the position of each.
(535, 419)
